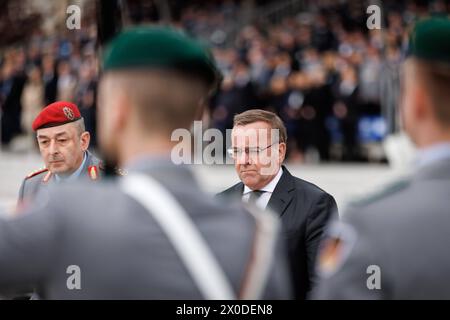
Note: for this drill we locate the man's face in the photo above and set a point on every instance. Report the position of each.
(257, 154)
(62, 147)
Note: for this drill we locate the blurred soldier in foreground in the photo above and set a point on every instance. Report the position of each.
(394, 245)
(154, 234)
(63, 143)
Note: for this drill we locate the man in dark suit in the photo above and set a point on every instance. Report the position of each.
(258, 150)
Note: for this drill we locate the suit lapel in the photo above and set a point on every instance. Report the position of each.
(237, 190)
(282, 195)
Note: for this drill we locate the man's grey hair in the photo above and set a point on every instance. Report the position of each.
(81, 127)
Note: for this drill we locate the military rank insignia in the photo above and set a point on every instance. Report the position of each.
(336, 247)
(93, 172)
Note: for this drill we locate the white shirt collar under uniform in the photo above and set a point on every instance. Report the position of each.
(268, 190)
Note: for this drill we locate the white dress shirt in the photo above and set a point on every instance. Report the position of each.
(264, 198)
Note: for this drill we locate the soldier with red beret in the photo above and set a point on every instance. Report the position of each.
(63, 144)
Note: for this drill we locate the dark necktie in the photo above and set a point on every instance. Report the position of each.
(254, 196)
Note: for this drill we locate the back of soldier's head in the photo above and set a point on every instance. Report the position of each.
(154, 80)
(163, 75)
(426, 87)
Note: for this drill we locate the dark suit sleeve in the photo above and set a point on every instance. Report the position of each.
(279, 284)
(324, 210)
(27, 246)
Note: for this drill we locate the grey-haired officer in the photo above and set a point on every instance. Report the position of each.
(63, 143)
(154, 234)
(394, 245)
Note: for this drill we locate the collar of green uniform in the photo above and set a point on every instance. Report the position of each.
(160, 48)
(430, 40)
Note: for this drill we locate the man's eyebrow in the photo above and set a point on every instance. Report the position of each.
(40, 136)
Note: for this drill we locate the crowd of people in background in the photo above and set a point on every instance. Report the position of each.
(333, 81)
(44, 71)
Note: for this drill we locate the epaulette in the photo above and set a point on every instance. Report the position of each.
(35, 173)
(118, 171)
(93, 172)
(386, 191)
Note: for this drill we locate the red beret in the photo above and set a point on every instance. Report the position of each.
(56, 114)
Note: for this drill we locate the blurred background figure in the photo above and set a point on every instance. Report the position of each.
(85, 97)
(66, 82)
(12, 83)
(316, 64)
(50, 79)
(32, 103)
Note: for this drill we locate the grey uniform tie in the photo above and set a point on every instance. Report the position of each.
(254, 196)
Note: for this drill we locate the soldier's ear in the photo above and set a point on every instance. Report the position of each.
(85, 140)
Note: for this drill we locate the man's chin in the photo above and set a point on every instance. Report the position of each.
(57, 168)
(249, 180)
(248, 175)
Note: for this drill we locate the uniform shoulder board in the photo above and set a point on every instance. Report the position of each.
(118, 171)
(385, 191)
(93, 172)
(335, 248)
(35, 173)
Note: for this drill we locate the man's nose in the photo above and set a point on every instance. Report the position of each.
(53, 148)
(243, 158)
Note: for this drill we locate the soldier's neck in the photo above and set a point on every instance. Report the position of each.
(154, 147)
(433, 137)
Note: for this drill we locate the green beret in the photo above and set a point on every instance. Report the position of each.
(161, 48)
(430, 40)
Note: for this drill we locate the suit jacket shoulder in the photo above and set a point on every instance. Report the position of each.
(232, 192)
(311, 188)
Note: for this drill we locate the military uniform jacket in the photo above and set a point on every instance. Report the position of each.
(43, 178)
(395, 244)
(121, 251)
